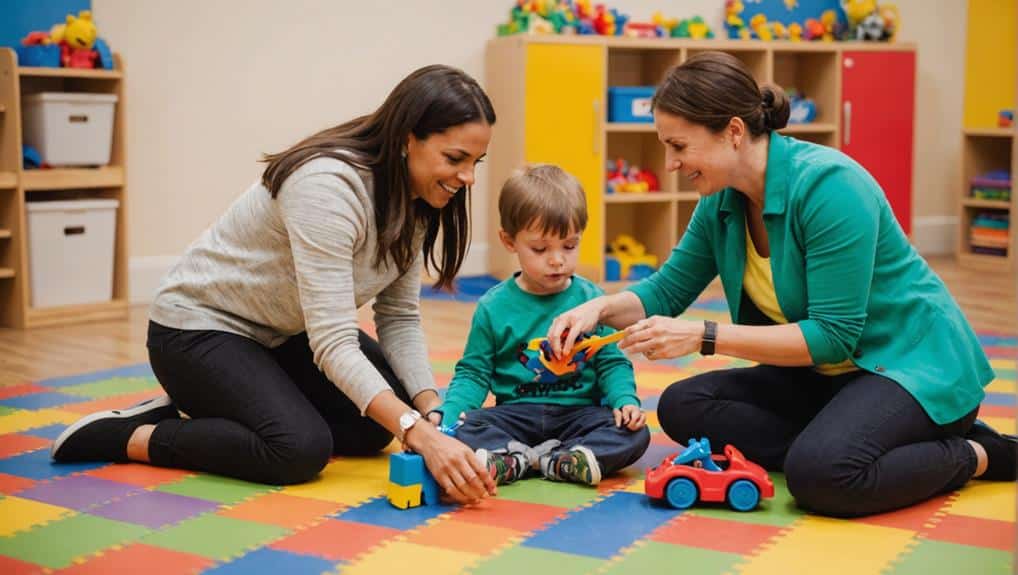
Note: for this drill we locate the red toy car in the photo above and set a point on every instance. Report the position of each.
(696, 475)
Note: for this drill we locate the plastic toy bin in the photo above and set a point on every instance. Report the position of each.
(70, 128)
(630, 104)
(71, 245)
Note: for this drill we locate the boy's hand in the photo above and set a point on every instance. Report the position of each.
(631, 416)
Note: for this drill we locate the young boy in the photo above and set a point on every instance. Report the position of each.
(576, 427)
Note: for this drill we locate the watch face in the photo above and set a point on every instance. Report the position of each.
(407, 419)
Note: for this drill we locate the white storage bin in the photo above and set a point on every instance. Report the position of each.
(70, 128)
(71, 245)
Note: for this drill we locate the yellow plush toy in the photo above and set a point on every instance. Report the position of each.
(79, 36)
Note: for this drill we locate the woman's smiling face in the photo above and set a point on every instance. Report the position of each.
(704, 158)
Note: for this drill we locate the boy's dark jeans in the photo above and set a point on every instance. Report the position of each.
(533, 423)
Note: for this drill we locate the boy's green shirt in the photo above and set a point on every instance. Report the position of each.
(496, 355)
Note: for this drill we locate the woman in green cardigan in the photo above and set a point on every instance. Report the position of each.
(870, 377)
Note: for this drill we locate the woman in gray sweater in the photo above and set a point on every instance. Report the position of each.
(254, 334)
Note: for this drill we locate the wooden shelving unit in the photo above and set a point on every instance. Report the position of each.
(18, 186)
(551, 97)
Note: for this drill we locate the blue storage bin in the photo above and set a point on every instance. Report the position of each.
(39, 56)
(630, 104)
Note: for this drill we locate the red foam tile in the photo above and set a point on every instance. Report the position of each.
(660, 438)
(717, 534)
(9, 391)
(140, 558)
(1001, 351)
(282, 510)
(974, 531)
(114, 402)
(139, 474)
(1004, 411)
(10, 566)
(15, 443)
(335, 539)
(515, 515)
(911, 518)
(12, 484)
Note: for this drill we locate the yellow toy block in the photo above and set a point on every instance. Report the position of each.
(404, 496)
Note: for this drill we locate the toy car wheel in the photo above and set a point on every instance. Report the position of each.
(681, 493)
(743, 495)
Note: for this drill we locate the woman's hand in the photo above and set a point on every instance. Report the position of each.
(659, 337)
(581, 319)
(452, 463)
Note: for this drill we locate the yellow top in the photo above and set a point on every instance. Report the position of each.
(759, 285)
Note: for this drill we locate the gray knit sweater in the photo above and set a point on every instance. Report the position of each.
(269, 269)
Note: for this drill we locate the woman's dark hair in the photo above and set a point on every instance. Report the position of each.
(711, 88)
(428, 101)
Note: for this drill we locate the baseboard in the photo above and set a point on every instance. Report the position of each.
(935, 235)
(145, 273)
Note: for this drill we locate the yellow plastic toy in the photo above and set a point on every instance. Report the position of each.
(759, 25)
(795, 32)
(630, 252)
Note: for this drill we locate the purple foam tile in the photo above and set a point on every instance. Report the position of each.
(154, 509)
(78, 492)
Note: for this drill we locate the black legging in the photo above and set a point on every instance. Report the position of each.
(850, 445)
(259, 414)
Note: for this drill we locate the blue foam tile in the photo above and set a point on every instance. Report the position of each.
(1000, 340)
(137, 370)
(42, 400)
(1007, 399)
(38, 465)
(379, 512)
(630, 515)
(649, 403)
(48, 432)
(271, 562)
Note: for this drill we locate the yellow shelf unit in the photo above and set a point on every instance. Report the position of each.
(551, 95)
(18, 186)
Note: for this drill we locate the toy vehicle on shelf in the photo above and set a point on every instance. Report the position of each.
(697, 475)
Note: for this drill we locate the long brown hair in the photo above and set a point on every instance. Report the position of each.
(428, 101)
(711, 88)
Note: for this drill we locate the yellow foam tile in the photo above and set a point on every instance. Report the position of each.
(1001, 424)
(394, 557)
(17, 514)
(336, 483)
(652, 420)
(832, 546)
(635, 487)
(1001, 386)
(986, 500)
(368, 467)
(22, 420)
(1003, 363)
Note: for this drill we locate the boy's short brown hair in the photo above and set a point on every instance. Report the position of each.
(544, 197)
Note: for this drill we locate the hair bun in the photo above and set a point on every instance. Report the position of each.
(776, 107)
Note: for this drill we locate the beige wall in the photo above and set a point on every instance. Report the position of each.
(211, 84)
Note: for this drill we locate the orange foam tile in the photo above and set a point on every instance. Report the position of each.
(11, 566)
(140, 558)
(12, 484)
(515, 515)
(15, 443)
(462, 536)
(973, 531)
(717, 534)
(139, 474)
(282, 510)
(9, 391)
(114, 402)
(912, 518)
(336, 540)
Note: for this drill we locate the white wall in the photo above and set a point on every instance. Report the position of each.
(212, 84)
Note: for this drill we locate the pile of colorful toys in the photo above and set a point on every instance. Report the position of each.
(583, 17)
(627, 259)
(74, 44)
(803, 110)
(866, 21)
(624, 178)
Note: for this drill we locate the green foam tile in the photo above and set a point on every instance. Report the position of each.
(5, 410)
(655, 557)
(215, 537)
(537, 490)
(216, 488)
(779, 510)
(111, 387)
(443, 366)
(938, 557)
(520, 559)
(57, 544)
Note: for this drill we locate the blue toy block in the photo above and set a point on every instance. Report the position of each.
(612, 269)
(429, 489)
(407, 469)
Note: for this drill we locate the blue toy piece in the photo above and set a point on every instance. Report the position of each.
(105, 60)
(30, 158)
(743, 495)
(38, 55)
(682, 493)
(410, 482)
(697, 453)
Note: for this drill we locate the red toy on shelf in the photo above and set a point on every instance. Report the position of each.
(696, 475)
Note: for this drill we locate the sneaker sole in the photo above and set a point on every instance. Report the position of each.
(143, 407)
(595, 467)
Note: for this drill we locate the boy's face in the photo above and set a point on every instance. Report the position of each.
(546, 260)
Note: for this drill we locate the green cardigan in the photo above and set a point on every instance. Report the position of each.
(844, 271)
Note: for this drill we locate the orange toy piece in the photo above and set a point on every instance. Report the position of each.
(583, 350)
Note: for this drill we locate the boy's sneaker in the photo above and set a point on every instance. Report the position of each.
(578, 465)
(534, 454)
(504, 468)
(103, 436)
(1001, 452)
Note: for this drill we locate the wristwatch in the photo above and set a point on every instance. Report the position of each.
(406, 421)
(710, 336)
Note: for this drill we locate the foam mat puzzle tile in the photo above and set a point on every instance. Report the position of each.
(140, 558)
(78, 492)
(17, 514)
(987, 500)
(18, 443)
(20, 419)
(154, 509)
(336, 540)
(939, 558)
(448, 533)
(380, 512)
(538, 490)
(138, 474)
(38, 465)
(394, 557)
(519, 559)
(58, 543)
(715, 534)
(215, 488)
(111, 387)
(215, 537)
(271, 562)
(653, 556)
(966, 530)
(282, 510)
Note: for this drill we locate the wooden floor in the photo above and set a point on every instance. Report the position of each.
(989, 300)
